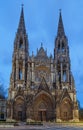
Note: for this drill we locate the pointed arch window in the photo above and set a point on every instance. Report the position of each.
(63, 47)
(21, 43)
(59, 47)
(59, 75)
(64, 75)
(20, 74)
(58, 65)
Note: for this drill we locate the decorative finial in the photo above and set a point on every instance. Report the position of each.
(60, 10)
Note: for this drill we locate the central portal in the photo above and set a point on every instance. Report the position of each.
(42, 115)
(20, 115)
(43, 107)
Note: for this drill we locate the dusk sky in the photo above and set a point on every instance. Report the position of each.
(41, 19)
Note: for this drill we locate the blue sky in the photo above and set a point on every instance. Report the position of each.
(41, 19)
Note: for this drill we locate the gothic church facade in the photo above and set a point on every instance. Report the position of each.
(41, 87)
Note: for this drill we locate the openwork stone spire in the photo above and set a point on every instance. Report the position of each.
(60, 31)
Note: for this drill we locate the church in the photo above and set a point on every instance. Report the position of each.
(41, 87)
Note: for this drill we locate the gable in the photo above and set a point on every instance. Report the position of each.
(43, 85)
(64, 95)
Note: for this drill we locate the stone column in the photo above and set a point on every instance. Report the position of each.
(11, 110)
(67, 71)
(17, 70)
(60, 44)
(33, 71)
(75, 115)
(58, 114)
(13, 71)
(23, 70)
(61, 72)
(51, 70)
(28, 71)
(71, 83)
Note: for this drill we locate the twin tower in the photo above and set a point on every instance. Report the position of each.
(41, 87)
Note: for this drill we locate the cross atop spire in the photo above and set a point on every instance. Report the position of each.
(22, 5)
(60, 10)
(21, 27)
(60, 31)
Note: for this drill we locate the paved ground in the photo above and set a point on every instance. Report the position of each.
(43, 128)
(52, 128)
(46, 126)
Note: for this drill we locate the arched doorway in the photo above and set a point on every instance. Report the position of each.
(42, 111)
(43, 107)
(66, 110)
(19, 109)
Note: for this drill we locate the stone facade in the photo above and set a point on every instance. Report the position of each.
(41, 87)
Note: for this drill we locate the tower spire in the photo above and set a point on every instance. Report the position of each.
(21, 27)
(60, 31)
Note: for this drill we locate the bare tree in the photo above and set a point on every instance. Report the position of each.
(3, 91)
